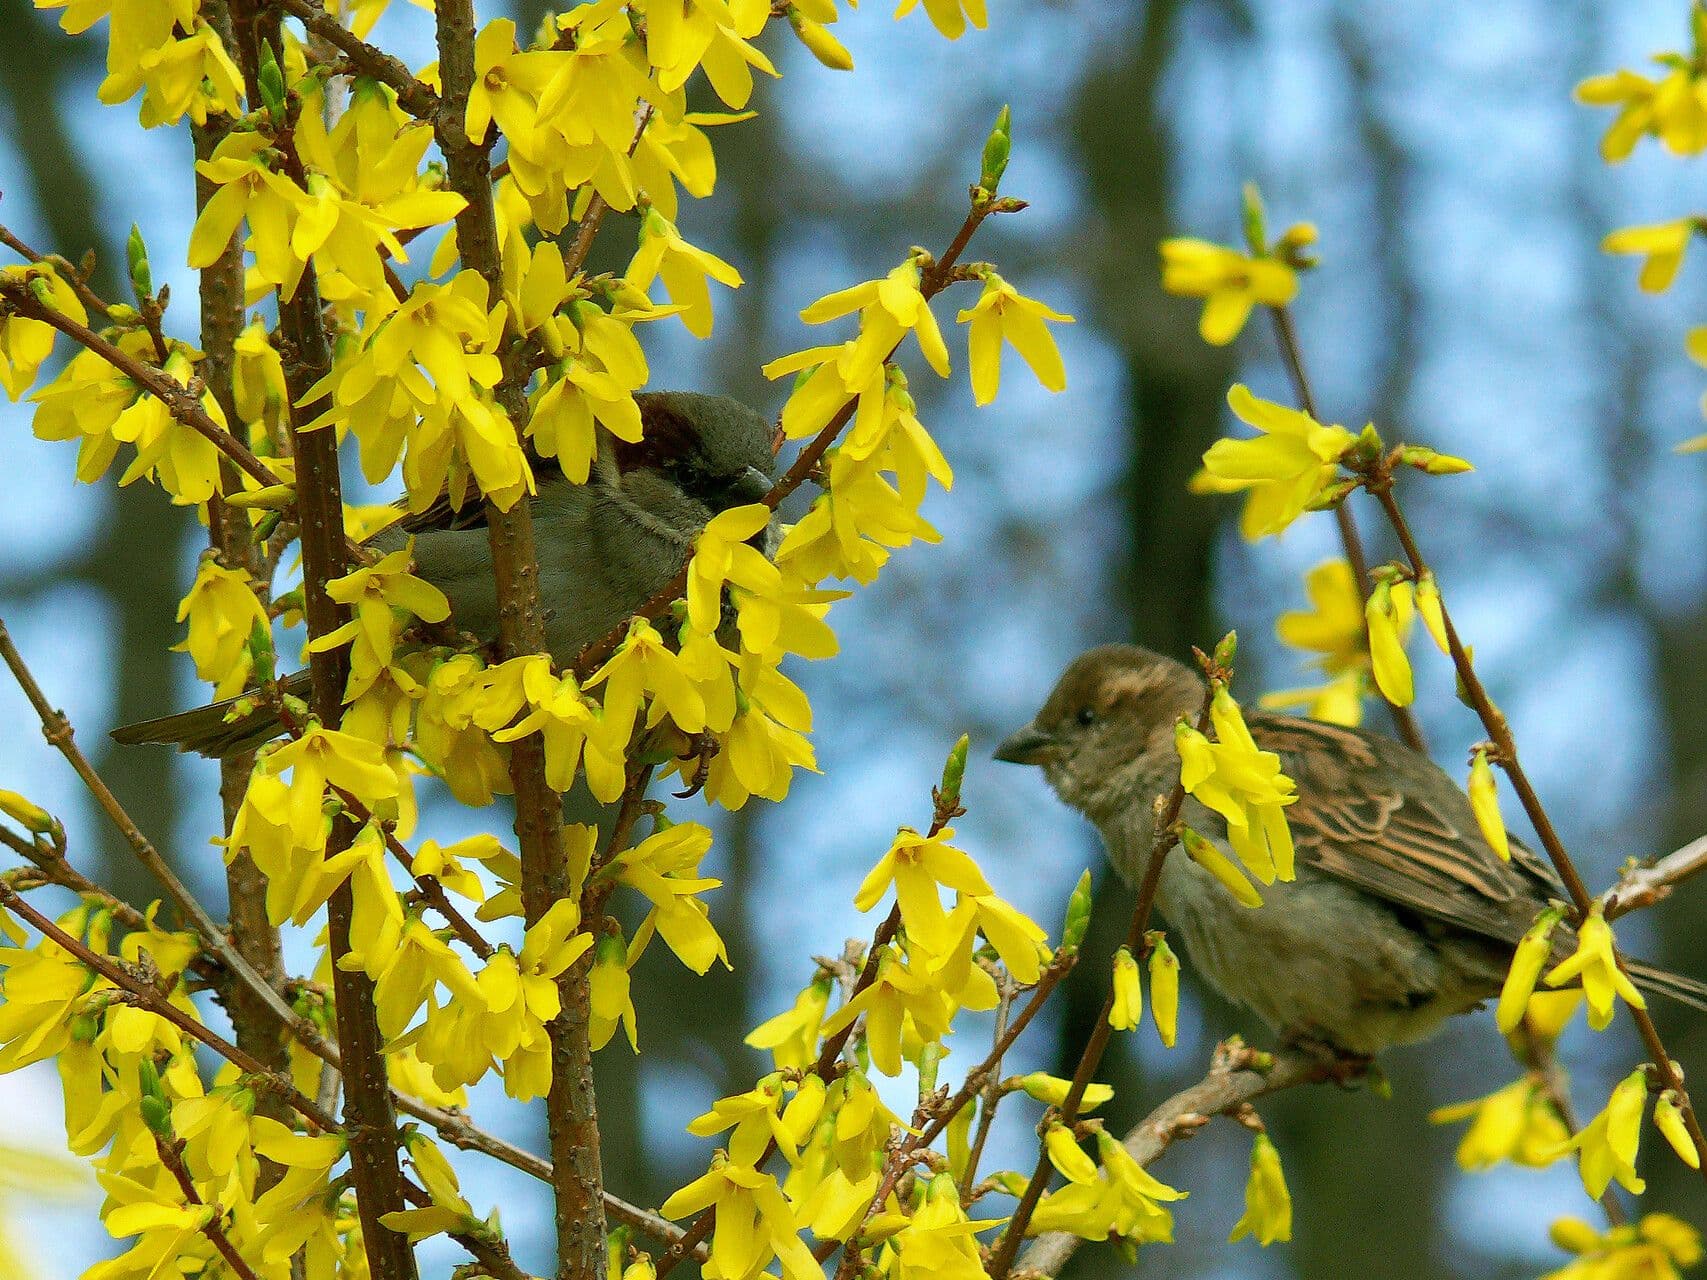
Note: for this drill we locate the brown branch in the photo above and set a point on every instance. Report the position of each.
(180, 401)
(1166, 836)
(1379, 481)
(1286, 334)
(571, 1107)
(414, 96)
(932, 281)
(1232, 1082)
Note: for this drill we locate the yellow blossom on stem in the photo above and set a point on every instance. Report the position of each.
(25, 343)
(900, 993)
(323, 757)
(1053, 1090)
(888, 309)
(1128, 1007)
(1244, 784)
(575, 730)
(1653, 1249)
(917, 865)
(685, 269)
(1282, 470)
(755, 1117)
(223, 612)
(1661, 245)
(1268, 1204)
(1001, 312)
(1607, 1144)
(754, 1222)
(610, 1001)
(1229, 282)
(1517, 1123)
(644, 665)
(663, 868)
(1595, 965)
(792, 1035)
(375, 595)
(1672, 108)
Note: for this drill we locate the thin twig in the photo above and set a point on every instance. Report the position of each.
(179, 400)
(1379, 481)
(173, 1159)
(1232, 1082)
(414, 96)
(91, 300)
(155, 1001)
(1646, 885)
(1167, 817)
(1286, 333)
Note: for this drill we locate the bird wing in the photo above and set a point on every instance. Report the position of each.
(1381, 817)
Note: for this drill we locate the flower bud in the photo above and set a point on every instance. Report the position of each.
(819, 42)
(1526, 966)
(1254, 219)
(136, 257)
(1164, 987)
(996, 150)
(1219, 865)
(1078, 914)
(953, 774)
(1128, 1006)
(1485, 804)
(1668, 1119)
(31, 816)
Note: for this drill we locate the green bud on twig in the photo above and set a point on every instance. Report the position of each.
(953, 774)
(1435, 463)
(1255, 220)
(997, 148)
(272, 83)
(1078, 914)
(1227, 650)
(261, 650)
(136, 254)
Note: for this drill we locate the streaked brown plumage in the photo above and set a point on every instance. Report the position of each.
(1401, 914)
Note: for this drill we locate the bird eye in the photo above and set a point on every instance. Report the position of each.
(1086, 716)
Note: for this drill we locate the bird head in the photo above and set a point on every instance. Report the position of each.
(714, 448)
(1111, 712)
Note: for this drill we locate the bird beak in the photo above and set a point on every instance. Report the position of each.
(751, 485)
(1025, 746)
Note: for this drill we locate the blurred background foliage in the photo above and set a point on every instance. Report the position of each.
(1463, 302)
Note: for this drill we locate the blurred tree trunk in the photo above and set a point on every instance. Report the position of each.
(133, 559)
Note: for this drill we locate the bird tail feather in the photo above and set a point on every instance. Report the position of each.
(1674, 986)
(219, 730)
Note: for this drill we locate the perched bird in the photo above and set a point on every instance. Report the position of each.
(605, 546)
(1401, 914)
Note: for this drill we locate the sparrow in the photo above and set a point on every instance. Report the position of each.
(605, 546)
(1401, 914)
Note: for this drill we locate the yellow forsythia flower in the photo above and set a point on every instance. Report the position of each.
(1433, 615)
(1653, 1249)
(1517, 1123)
(1164, 988)
(1128, 1007)
(1283, 468)
(1608, 1143)
(1595, 965)
(792, 1035)
(1242, 783)
(1001, 312)
(1052, 1090)
(1662, 246)
(28, 814)
(916, 865)
(1530, 958)
(1268, 1204)
(1229, 282)
(25, 343)
(949, 17)
(1485, 804)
